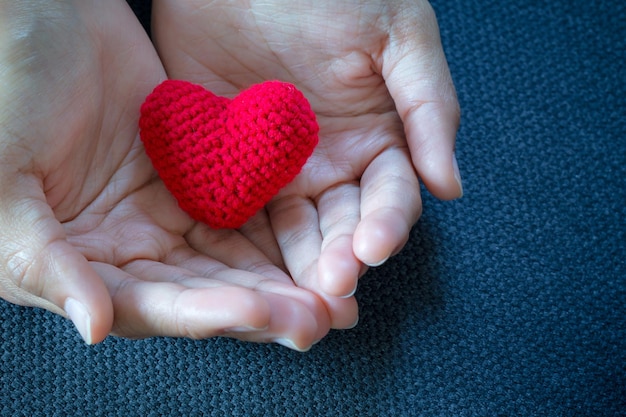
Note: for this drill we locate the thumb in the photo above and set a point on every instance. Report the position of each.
(418, 78)
(39, 268)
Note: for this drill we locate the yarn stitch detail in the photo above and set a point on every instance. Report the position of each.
(222, 159)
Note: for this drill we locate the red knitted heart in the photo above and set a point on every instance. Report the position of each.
(225, 159)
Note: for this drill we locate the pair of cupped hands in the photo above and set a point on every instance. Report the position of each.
(88, 230)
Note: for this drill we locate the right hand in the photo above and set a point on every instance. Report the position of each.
(377, 78)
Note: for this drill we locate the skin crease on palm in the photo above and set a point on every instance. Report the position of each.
(377, 78)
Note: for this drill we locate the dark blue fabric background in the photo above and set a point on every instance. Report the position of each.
(509, 302)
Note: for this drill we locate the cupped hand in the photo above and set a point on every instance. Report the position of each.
(87, 229)
(377, 78)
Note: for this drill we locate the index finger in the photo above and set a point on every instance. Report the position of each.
(416, 73)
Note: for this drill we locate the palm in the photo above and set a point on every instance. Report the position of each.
(165, 274)
(358, 195)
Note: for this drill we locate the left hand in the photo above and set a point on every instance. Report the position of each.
(377, 78)
(87, 230)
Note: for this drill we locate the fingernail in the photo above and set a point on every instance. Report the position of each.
(375, 264)
(245, 329)
(354, 324)
(80, 317)
(290, 344)
(351, 293)
(457, 174)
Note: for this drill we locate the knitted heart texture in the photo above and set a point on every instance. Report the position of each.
(225, 159)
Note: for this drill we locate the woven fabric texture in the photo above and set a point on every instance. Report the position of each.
(508, 302)
(225, 159)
